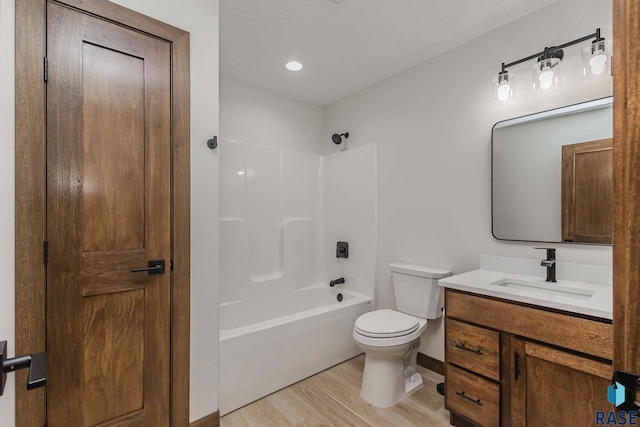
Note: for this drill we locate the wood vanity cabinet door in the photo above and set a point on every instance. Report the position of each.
(557, 388)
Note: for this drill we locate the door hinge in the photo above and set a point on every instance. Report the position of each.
(46, 69)
(45, 247)
(171, 264)
(46, 424)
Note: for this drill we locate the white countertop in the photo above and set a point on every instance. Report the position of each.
(480, 282)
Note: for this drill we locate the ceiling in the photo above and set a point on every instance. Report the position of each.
(347, 45)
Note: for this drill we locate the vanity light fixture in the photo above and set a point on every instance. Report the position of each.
(596, 60)
(504, 86)
(546, 72)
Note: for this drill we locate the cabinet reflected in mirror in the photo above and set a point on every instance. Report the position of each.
(552, 175)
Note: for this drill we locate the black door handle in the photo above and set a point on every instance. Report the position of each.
(36, 363)
(155, 267)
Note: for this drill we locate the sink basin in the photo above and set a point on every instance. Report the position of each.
(546, 288)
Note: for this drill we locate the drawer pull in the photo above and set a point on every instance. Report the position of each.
(470, 399)
(469, 349)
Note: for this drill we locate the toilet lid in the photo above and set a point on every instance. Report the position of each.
(386, 324)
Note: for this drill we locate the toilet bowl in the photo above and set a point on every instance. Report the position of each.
(390, 339)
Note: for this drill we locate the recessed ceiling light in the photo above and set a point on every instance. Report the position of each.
(294, 66)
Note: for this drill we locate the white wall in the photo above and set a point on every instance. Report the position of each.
(200, 18)
(259, 116)
(7, 195)
(433, 125)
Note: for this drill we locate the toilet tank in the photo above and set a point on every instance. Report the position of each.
(416, 289)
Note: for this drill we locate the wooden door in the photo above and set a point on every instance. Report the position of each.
(553, 386)
(587, 192)
(108, 212)
(626, 156)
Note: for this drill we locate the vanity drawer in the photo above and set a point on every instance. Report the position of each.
(473, 348)
(473, 397)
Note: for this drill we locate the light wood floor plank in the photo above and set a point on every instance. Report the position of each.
(334, 411)
(262, 413)
(332, 398)
(350, 396)
(297, 411)
(235, 419)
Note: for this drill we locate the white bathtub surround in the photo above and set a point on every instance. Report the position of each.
(350, 209)
(269, 221)
(586, 289)
(296, 335)
(281, 215)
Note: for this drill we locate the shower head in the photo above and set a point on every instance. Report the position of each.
(337, 138)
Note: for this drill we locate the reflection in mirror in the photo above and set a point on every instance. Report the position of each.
(552, 175)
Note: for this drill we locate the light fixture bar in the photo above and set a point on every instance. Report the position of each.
(552, 50)
(546, 72)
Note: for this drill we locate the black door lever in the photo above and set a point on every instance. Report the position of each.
(36, 363)
(155, 267)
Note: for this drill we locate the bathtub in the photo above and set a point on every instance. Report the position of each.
(271, 343)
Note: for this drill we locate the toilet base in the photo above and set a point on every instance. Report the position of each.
(412, 384)
(389, 374)
(388, 397)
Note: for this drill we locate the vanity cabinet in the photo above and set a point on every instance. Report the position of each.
(515, 365)
(556, 388)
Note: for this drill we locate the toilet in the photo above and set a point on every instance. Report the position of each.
(390, 339)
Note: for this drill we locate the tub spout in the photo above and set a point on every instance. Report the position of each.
(339, 281)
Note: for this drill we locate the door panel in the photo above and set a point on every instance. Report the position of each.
(556, 394)
(587, 192)
(108, 211)
(113, 355)
(113, 156)
(626, 247)
(553, 386)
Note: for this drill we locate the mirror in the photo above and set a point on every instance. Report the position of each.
(552, 175)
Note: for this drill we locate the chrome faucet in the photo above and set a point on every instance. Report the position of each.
(339, 281)
(550, 263)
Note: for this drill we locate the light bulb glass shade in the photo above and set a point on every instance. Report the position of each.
(503, 88)
(596, 60)
(546, 74)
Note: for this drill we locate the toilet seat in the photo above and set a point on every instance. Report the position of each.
(380, 340)
(386, 324)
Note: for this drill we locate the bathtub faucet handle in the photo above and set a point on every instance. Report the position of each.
(339, 281)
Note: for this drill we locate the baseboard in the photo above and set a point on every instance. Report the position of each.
(211, 420)
(430, 363)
